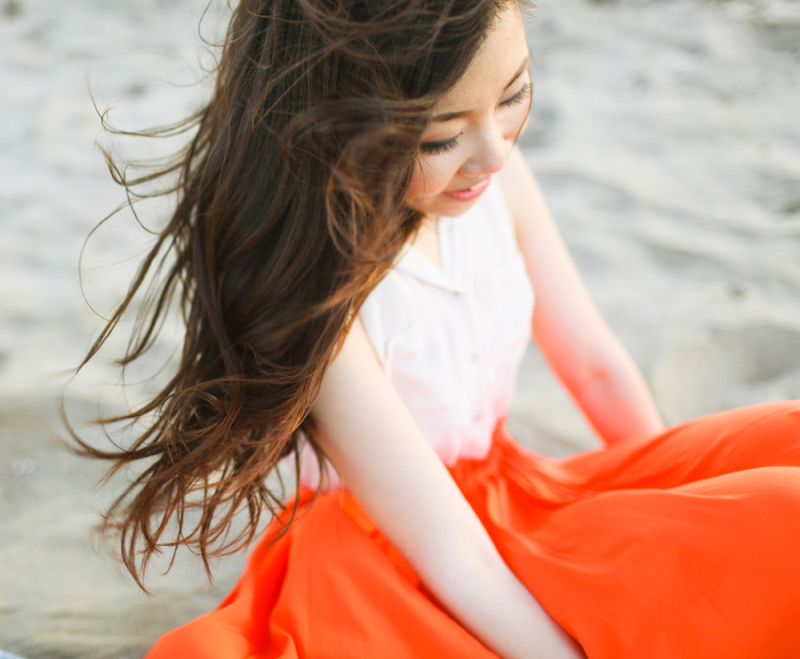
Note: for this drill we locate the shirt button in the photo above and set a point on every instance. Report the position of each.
(474, 357)
(477, 417)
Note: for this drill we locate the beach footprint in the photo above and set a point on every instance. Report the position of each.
(726, 368)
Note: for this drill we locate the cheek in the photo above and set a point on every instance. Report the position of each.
(523, 123)
(429, 179)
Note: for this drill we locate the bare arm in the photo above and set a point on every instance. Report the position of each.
(382, 456)
(577, 343)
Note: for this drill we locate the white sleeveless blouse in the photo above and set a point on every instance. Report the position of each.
(451, 340)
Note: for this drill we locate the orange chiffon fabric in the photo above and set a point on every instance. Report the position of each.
(682, 545)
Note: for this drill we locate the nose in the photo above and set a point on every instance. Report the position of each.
(490, 151)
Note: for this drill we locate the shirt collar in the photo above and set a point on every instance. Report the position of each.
(412, 262)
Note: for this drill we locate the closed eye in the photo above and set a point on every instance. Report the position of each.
(443, 146)
(520, 97)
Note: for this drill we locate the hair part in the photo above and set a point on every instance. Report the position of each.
(290, 208)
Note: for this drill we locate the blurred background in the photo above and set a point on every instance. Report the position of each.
(666, 138)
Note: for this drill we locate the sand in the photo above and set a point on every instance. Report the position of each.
(664, 135)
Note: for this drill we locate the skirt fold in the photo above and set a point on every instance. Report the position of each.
(681, 545)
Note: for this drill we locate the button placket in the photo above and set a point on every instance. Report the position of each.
(478, 393)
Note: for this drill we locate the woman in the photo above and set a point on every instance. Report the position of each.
(357, 246)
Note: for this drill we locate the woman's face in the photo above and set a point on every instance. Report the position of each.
(475, 124)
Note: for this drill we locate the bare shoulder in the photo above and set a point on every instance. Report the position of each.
(517, 184)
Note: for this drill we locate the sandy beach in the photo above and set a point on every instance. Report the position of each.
(665, 137)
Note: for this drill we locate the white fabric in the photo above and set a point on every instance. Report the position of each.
(451, 339)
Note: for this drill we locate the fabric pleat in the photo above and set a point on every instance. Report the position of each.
(686, 544)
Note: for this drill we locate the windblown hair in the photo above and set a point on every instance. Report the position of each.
(290, 208)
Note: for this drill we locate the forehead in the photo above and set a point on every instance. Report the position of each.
(494, 65)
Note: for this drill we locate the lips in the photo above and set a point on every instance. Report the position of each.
(467, 194)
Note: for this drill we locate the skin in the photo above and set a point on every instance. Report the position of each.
(474, 127)
(372, 439)
(470, 140)
(574, 339)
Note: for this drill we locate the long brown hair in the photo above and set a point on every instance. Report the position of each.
(290, 208)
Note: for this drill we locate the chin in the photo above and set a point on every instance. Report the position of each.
(444, 206)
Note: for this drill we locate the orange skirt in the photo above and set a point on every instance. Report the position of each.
(682, 545)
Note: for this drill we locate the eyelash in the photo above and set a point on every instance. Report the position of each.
(436, 148)
(520, 96)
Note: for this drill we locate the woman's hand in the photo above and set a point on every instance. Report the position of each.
(565, 647)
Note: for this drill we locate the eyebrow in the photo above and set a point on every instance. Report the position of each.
(448, 116)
